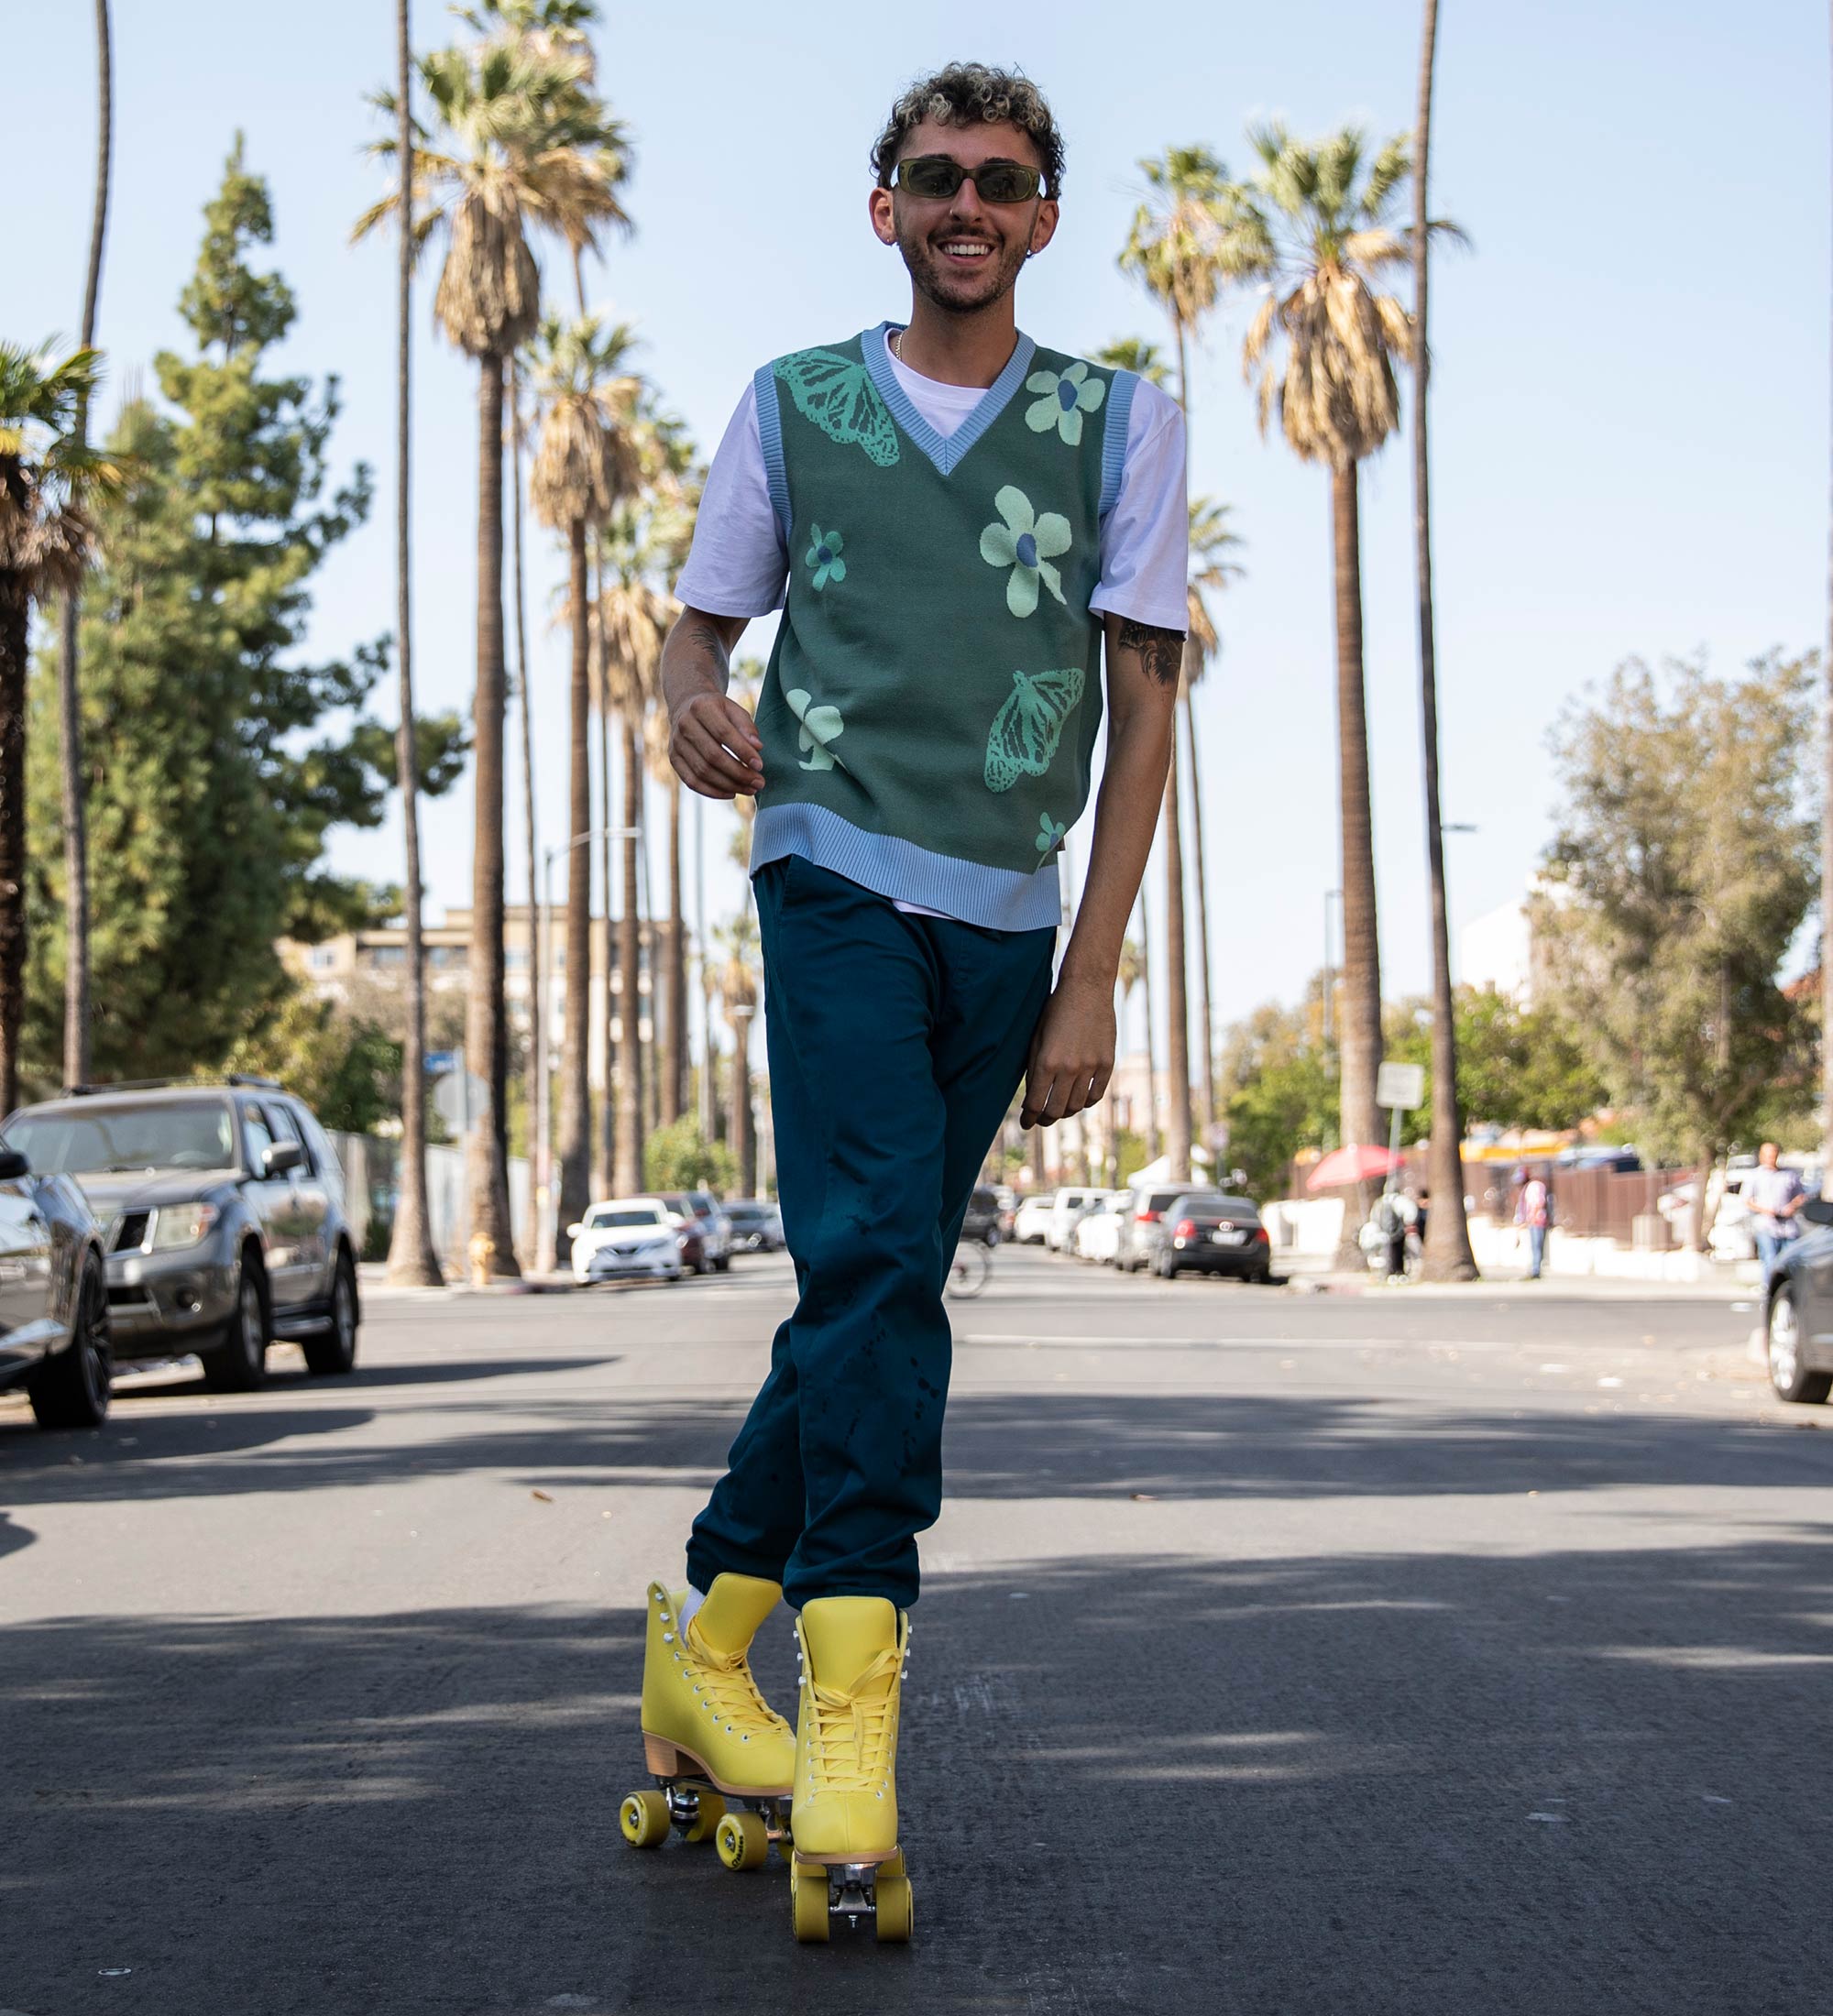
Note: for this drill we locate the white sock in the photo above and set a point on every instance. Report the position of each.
(690, 1602)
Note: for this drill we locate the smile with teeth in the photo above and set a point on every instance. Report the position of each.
(965, 249)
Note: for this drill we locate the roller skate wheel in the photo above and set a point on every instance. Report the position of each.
(892, 1867)
(808, 1897)
(742, 1840)
(643, 1817)
(896, 1917)
(707, 1820)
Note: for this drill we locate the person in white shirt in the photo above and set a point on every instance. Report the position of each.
(1774, 1196)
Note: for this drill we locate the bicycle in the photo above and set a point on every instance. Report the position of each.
(969, 1271)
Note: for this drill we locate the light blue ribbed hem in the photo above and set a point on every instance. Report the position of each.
(1114, 439)
(770, 438)
(944, 450)
(1000, 899)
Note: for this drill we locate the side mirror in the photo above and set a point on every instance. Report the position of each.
(13, 1166)
(573, 1231)
(1818, 1211)
(280, 1156)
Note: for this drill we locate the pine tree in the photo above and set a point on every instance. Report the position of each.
(217, 760)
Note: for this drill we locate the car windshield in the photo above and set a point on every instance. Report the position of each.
(632, 1214)
(96, 1140)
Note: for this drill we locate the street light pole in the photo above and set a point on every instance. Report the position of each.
(541, 932)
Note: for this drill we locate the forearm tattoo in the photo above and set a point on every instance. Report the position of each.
(1161, 652)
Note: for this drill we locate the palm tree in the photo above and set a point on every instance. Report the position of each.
(1152, 1137)
(1211, 539)
(1447, 1256)
(738, 989)
(411, 1260)
(70, 718)
(1315, 224)
(521, 142)
(633, 615)
(1175, 247)
(46, 540)
(587, 463)
(1128, 973)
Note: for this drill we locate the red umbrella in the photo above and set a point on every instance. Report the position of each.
(1343, 1166)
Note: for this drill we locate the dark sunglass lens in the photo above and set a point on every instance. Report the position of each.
(929, 176)
(1006, 183)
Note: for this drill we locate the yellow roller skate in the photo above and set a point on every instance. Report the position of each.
(722, 1758)
(847, 1863)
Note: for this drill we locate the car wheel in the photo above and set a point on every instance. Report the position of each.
(334, 1350)
(71, 1388)
(1164, 1269)
(723, 1265)
(239, 1363)
(1788, 1375)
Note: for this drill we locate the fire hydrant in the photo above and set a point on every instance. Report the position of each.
(482, 1251)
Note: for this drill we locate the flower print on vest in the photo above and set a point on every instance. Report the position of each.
(1063, 397)
(1050, 833)
(820, 727)
(824, 557)
(1027, 543)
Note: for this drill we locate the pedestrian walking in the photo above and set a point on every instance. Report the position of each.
(1534, 1211)
(955, 521)
(1775, 1197)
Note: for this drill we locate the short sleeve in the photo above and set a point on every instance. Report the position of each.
(739, 563)
(1146, 538)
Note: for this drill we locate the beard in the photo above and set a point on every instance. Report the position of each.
(955, 291)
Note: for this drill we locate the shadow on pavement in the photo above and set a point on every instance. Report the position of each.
(1422, 1785)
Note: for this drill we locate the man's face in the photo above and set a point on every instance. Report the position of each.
(964, 253)
(1766, 1154)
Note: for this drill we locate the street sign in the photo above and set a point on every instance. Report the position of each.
(439, 1062)
(1398, 1086)
(460, 1099)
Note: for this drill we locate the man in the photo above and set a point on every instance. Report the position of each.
(1534, 1211)
(955, 521)
(1773, 1197)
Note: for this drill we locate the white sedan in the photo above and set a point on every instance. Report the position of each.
(1097, 1234)
(1031, 1224)
(626, 1239)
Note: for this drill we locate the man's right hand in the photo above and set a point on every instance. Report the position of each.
(713, 744)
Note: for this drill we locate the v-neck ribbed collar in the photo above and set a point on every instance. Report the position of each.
(944, 450)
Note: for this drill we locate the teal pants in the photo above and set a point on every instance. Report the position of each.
(895, 1043)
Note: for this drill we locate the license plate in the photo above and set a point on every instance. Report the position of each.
(1228, 1236)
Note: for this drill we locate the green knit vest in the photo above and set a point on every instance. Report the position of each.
(931, 705)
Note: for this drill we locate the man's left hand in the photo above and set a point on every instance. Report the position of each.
(1071, 1053)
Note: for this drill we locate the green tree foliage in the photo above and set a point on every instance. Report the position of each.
(1278, 1091)
(680, 1157)
(218, 762)
(1516, 1066)
(1685, 863)
(346, 1068)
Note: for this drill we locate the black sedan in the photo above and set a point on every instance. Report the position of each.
(1207, 1232)
(1798, 1325)
(53, 1297)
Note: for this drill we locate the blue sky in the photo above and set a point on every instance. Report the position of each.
(1631, 385)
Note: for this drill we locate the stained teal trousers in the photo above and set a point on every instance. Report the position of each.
(895, 1043)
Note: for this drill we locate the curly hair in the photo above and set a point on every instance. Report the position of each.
(973, 94)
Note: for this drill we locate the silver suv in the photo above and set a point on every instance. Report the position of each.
(222, 1215)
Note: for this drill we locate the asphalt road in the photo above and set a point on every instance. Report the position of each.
(1279, 1655)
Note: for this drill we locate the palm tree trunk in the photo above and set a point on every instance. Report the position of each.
(1361, 1036)
(575, 1109)
(1152, 1134)
(652, 1075)
(1826, 872)
(15, 607)
(1447, 1256)
(629, 1177)
(70, 715)
(675, 1057)
(539, 1106)
(1178, 1041)
(411, 1260)
(484, 1046)
(1202, 880)
(605, 1159)
(744, 1135)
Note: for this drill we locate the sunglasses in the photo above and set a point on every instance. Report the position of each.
(934, 177)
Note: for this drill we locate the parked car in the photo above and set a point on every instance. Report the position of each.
(757, 1224)
(1097, 1234)
(1031, 1221)
(1069, 1207)
(981, 1226)
(1208, 1232)
(626, 1239)
(53, 1297)
(1798, 1312)
(222, 1217)
(707, 1240)
(1135, 1232)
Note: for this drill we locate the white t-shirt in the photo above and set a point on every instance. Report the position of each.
(740, 565)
